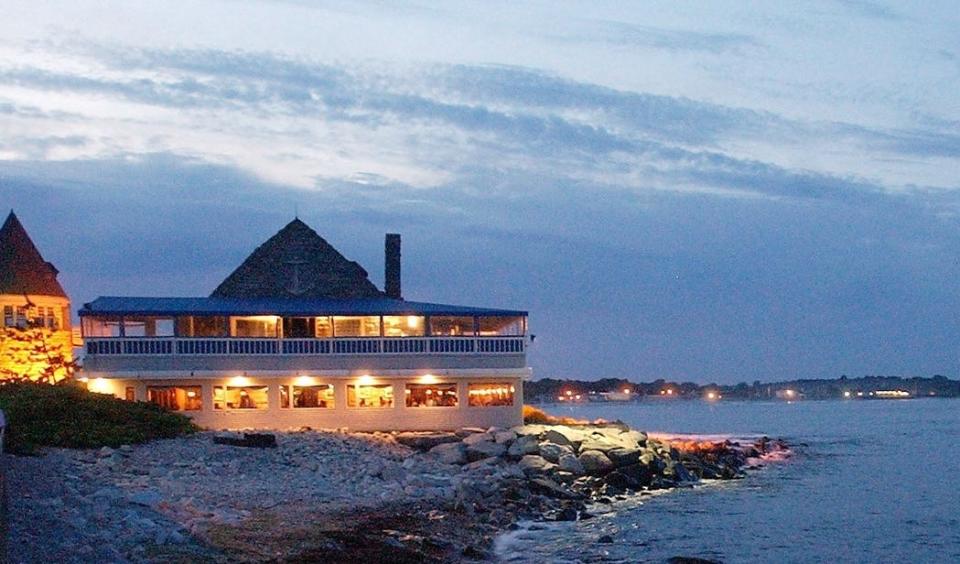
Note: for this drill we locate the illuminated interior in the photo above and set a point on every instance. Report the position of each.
(312, 396)
(370, 395)
(176, 398)
(403, 326)
(490, 395)
(431, 395)
(240, 397)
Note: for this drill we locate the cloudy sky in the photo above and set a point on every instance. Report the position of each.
(718, 192)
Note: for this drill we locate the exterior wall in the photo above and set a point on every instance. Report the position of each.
(19, 352)
(396, 418)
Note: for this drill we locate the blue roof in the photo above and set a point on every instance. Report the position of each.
(115, 305)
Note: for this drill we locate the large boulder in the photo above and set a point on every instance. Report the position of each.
(485, 449)
(641, 473)
(425, 441)
(477, 438)
(504, 437)
(525, 444)
(534, 464)
(595, 463)
(624, 456)
(563, 435)
(570, 463)
(533, 429)
(636, 438)
(603, 443)
(450, 453)
(550, 488)
(553, 451)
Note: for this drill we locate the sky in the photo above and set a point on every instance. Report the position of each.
(712, 192)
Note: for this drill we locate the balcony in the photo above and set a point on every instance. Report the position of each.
(161, 354)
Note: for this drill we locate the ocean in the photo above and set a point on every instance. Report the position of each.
(869, 481)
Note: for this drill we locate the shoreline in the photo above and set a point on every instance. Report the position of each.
(334, 496)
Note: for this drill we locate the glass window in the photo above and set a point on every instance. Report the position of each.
(298, 327)
(240, 397)
(431, 395)
(403, 326)
(255, 326)
(8, 319)
(207, 326)
(368, 326)
(313, 396)
(101, 326)
(284, 396)
(324, 327)
(500, 325)
(130, 394)
(451, 325)
(370, 395)
(140, 326)
(175, 398)
(490, 395)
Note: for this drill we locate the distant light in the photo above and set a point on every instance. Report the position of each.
(846, 394)
(670, 392)
(711, 395)
(626, 391)
(569, 393)
(578, 396)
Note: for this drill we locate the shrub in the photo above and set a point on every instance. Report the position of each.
(67, 415)
(533, 415)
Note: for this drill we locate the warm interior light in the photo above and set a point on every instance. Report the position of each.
(365, 380)
(239, 381)
(99, 386)
(428, 379)
(305, 381)
(413, 321)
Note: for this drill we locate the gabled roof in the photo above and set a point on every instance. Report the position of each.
(113, 305)
(297, 263)
(22, 268)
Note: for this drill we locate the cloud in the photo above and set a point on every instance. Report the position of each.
(634, 35)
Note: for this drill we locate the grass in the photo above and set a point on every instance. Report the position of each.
(67, 415)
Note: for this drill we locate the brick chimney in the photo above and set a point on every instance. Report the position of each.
(391, 279)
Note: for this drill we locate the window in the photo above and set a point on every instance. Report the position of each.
(403, 326)
(101, 326)
(370, 395)
(255, 326)
(500, 325)
(240, 397)
(298, 327)
(431, 395)
(139, 326)
(130, 394)
(356, 326)
(324, 327)
(195, 326)
(174, 398)
(8, 318)
(313, 396)
(490, 395)
(450, 325)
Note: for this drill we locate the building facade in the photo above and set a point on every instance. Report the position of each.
(298, 336)
(35, 339)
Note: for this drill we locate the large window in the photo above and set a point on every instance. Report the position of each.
(370, 395)
(255, 326)
(431, 395)
(106, 326)
(298, 327)
(403, 326)
(324, 327)
(368, 326)
(174, 398)
(320, 395)
(240, 397)
(501, 325)
(202, 326)
(140, 326)
(451, 325)
(490, 395)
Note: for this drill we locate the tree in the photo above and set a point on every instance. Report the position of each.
(35, 353)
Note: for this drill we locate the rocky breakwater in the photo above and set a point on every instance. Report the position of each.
(554, 471)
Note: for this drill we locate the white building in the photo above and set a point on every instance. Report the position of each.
(298, 336)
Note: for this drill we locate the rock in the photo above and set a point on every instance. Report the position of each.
(450, 453)
(553, 451)
(533, 464)
(534, 430)
(642, 473)
(554, 436)
(525, 444)
(561, 434)
(425, 441)
(601, 443)
(605, 539)
(477, 438)
(570, 463)
(624, 456)
(104, 452)
(690, 560)
(504, 437)
(549, 488)
(633, 438)
(485, 449)
(595, 463)
(393, 473)
(147, 498)
(467, 431)
(622, 480)
(568, 513)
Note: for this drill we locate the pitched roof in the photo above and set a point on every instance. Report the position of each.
(115, 305)
(297, 263)
(22, 268)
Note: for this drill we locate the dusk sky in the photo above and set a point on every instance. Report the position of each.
(721, 192)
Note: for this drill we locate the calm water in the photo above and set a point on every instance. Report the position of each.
(871, 481)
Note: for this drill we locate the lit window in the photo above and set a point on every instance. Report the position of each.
(130, 394)
(370, 395)
(254, 326)
(324, 327)
(240, 397)
(313, 396)
(450, 325)
(403, 326)
(500, 325)
(431, 395)
(284, 396)
(175, 398)
(8, 318)
(368, 326)
(490, 395)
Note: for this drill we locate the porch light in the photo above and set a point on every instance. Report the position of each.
(239, 381)
(365, 380)
(305, 380)
(428, 379)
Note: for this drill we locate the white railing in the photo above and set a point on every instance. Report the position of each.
(185, 346)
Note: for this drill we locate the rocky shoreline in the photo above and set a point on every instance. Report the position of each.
(336, 497)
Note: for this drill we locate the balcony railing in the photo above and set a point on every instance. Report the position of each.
(166, 346)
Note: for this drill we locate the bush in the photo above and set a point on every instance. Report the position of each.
(533, 415)
(67, 415)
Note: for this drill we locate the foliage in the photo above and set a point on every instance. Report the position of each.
(533, 415)
(66, 415)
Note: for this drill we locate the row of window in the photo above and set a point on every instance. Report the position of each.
(190, 398)
(37, 316)
(319, 327)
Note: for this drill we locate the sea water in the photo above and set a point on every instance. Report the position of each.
(869, 481)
